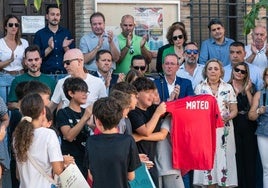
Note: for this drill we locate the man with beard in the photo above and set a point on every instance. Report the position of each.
(33, 63)
(96, 40)
(217, 46)
(53, 41)
(257, 51)
(104, 71)
(191, 70)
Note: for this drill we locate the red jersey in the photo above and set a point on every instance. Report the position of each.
(193, 131)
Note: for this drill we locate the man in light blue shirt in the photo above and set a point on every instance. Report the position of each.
(237, 55)
(190, 69)
(217, 46)
(98, 39)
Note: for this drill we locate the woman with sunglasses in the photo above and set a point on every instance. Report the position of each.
(223, 173)
(244, 129)
(259, 112)
(176, 37)
(12, 48)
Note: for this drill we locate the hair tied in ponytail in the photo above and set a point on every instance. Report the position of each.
(27, 118)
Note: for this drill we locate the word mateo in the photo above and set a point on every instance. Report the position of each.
(197, 105)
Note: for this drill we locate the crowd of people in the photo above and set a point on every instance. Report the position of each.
(98, 106)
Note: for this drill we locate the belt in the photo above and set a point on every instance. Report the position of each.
(14, 73)
(242, 112)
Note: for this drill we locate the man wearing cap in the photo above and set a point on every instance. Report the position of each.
(217, 46)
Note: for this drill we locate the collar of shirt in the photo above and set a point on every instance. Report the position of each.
(170, 86)
(92, 35)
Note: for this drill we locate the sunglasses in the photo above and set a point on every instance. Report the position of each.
(177, 37)
(68, 62)
(142, 68)
(191, 51)
(13, 24)
(241, 71)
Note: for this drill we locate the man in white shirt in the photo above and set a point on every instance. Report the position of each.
(73, 61)
(257, 51)
(190, 69)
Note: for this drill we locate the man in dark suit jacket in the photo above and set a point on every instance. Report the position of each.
(104, 69)
(170, 86)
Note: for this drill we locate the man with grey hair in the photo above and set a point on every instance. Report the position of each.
(257, 51)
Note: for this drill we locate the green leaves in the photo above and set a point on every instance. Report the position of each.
(249, 19)
(38, 3)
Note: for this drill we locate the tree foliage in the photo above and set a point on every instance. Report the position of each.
(38, 3)
(249, 19)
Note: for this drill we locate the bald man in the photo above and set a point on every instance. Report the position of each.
(257, 51)
(73, 62)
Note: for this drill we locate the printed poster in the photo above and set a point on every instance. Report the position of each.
(149, 21)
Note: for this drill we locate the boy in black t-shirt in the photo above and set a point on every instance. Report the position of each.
(145, 119)
(72, 121)
(111, 158)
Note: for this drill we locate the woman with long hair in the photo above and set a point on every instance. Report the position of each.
(259, 112)
(12, 48)
(31, 140)
(244, 129)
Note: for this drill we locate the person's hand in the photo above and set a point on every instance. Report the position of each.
(161, 109)
(121, 77)
(145, 159)
(143, 40)
(129, 40)
(68, 159)
(253, 48)
(51, 43)
(110, 36)
(88, 112)
(261, 110)
(266, 52)
(66, 42)
(100, 42)
(108, 79)
(2, 132)
(175, 93)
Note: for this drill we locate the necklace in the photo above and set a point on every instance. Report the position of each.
(214, 88)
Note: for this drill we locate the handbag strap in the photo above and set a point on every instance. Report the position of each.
(31, 159)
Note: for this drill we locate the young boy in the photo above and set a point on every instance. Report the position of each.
(145, 119)
(111, 158)
(72, 121)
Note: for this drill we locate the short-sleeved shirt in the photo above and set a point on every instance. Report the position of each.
(124, 65)
(45, 149)
(52, 63)
(89, 42)
(110, 157)
(96, 89)
(210, 49)
(50, 82)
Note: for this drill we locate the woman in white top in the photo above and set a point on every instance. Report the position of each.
(40, 142)
(12, 48)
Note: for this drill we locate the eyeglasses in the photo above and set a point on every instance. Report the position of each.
(142, 68)
(13, 24)
(68, 62)
(188, 51)
(241, 71)
(177, 37)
